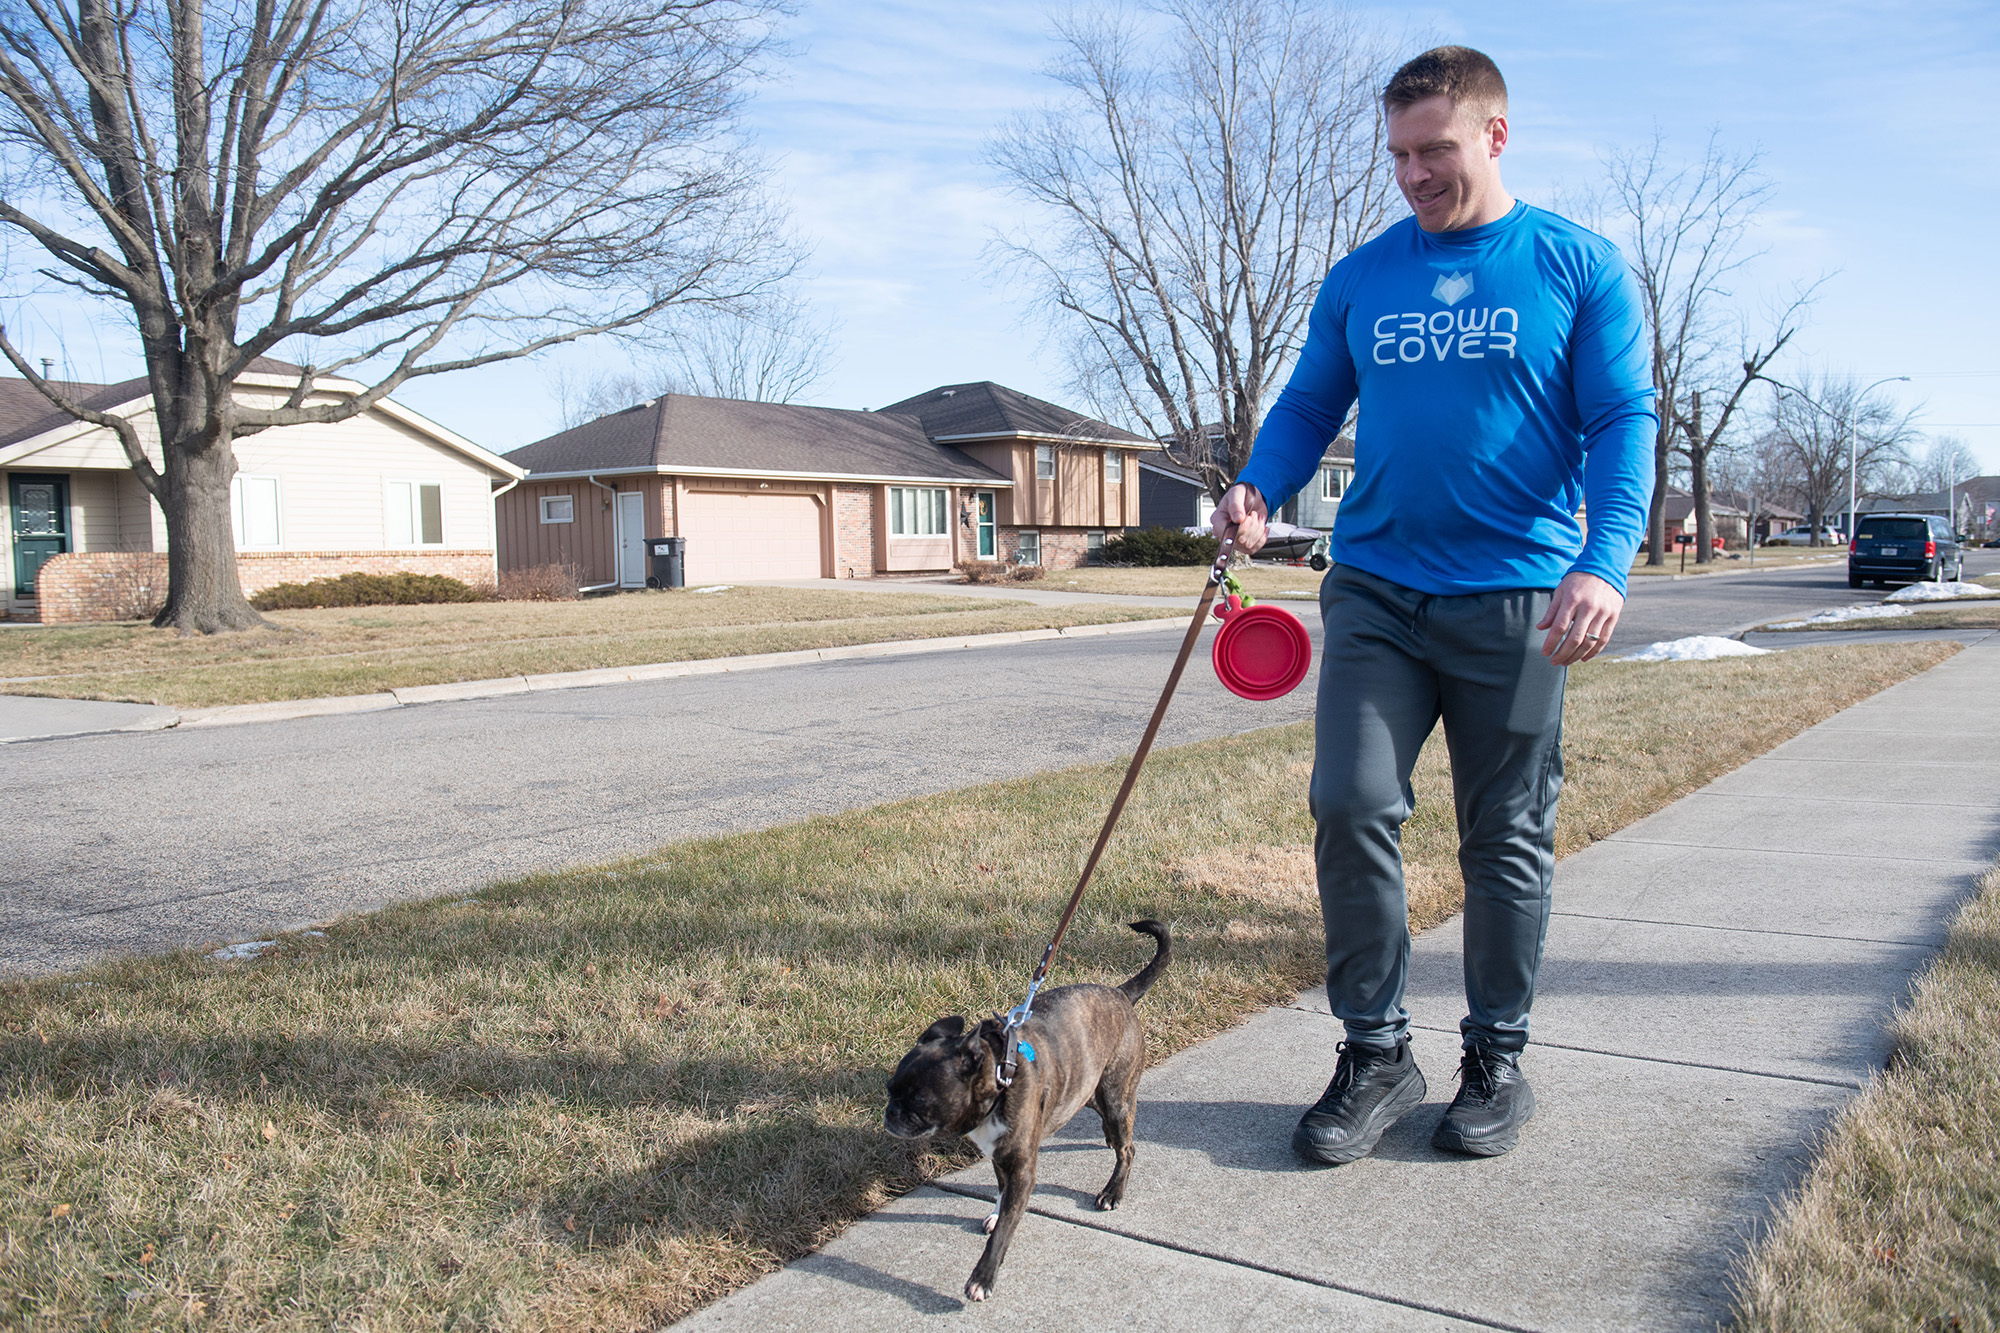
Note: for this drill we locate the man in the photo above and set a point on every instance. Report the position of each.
(1500, 363)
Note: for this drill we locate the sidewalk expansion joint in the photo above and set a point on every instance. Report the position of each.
(1755, 930)
(1846, 1085)
(1795, 797)
(1194, 1251)
(1788, 851)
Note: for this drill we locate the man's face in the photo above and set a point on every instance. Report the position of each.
(1447, 162)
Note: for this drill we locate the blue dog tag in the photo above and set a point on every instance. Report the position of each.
(1027, 1051)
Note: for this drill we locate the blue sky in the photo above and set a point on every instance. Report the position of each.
(1877, 122)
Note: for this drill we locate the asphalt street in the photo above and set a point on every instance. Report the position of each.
(135, 841)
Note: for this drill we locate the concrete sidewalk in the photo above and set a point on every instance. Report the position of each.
(1716, 986)
(28, 718)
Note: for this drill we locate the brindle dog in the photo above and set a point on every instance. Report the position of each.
(1083, 1044)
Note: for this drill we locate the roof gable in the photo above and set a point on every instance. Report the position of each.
(986, 409)
(686, 432)
(25, 415)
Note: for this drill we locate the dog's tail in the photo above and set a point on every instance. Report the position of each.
(1150, 973)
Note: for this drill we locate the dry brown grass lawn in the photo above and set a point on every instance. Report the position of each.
(597, 1099)
(1898, 1223)
(1768, 557)
(1184, 581)
(361, 650)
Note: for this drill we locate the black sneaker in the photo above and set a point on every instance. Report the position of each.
(1372, 1087)
(1493, 1102)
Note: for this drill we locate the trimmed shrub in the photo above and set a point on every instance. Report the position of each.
(367, 590)
(1161, 546)
(999, 571)
(541, 583)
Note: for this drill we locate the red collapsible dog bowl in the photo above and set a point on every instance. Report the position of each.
(1261, 651)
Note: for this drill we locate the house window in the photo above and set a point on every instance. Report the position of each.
(253, 511)
(1028, 549)
(1093, 548)
(1045, 462)
(558, 509)
(917, 511)
(1114, 465)
(413, 513)
(1333, 482)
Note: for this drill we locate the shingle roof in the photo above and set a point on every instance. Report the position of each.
(24, 413)
(986, 408)
(724, 434)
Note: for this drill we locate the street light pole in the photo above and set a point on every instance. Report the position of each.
(1853, 445)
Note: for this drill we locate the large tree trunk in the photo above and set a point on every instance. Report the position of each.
(204, 594)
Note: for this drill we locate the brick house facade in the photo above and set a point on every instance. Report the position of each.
(383, 491)
(961, 474)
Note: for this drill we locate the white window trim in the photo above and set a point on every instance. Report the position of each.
(236, 508)
(1045, 452)
(564, 496)
(941, 511)
(1114, 466)
(1345, 476)
(417, 542)
(1026, 533)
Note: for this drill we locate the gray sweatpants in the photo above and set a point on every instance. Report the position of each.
(1397, 661)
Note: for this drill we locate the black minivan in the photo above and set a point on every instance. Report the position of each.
(1907, 548)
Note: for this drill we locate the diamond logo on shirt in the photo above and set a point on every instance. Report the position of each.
(1453, 288)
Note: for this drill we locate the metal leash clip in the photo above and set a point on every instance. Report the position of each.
(1016, 1019)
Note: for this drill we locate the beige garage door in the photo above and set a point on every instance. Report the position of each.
(751, 536)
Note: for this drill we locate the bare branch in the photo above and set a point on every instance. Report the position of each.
(1207, 165)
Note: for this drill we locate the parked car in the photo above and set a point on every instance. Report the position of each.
(1287, 541)
(1903, 548)
(1803, 536)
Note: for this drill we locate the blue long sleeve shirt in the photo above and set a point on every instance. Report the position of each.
(1503, 377)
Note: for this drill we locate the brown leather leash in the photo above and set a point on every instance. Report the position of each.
(1021, 1012)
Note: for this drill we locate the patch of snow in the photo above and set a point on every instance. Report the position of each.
(1939, 592)
(1699, 648)
(249, 949)
(244, 952)
(1866, 611)
(718, 587)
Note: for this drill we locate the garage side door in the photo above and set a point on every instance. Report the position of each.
(750, 537)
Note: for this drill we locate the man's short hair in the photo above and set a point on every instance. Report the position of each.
(1467, 77)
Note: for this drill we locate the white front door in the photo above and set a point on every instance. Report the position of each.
(631, 539)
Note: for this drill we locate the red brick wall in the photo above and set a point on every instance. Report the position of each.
(1062, 548)
(118, 585)
(853, 532)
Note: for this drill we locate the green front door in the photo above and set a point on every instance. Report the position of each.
(984, 524)
(40, 506)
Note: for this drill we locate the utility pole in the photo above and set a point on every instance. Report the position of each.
(1853, 444)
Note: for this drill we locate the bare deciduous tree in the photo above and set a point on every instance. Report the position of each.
(774, 351)
(1210, 161)
(1940, 465)
(381, 188)
(1818, 426)
(1683, 230)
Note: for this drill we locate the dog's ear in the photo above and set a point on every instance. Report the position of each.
(944, 1028)
(993, 1031)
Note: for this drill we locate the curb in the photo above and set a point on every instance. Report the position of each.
(1724, 573)
(231, 715)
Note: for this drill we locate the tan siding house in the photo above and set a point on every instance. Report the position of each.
(384, 491)
(777, 491)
